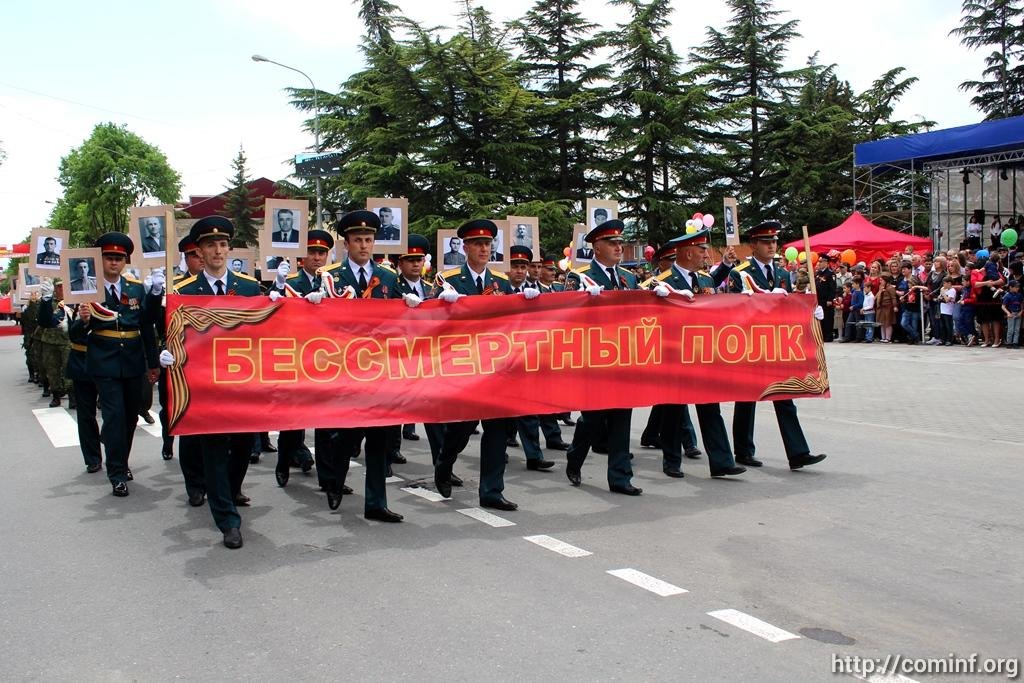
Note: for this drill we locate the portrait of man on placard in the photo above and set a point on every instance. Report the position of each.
(237, 265)
(523, 236)
(730, 224)
(584, 252)
(31, 279)
(390, 224)
(454, 254)
(598, 216)
(151, 228)
(48, 252)
(497, 249)
(287, 233)
(83, 275)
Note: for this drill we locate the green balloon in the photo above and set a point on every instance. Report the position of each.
(791, 253)
(1008, 237)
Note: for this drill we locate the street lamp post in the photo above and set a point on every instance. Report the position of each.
(316, 127)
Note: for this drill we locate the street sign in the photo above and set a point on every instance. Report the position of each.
(318, 165)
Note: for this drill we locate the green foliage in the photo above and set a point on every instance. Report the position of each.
(999, 25)
(241, 203)
(112, 171)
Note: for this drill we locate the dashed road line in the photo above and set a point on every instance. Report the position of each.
(560, 547)
(425, 494)
(752, 625)
(647, 582)
(394, 479)
(486, 517)
(58, 426)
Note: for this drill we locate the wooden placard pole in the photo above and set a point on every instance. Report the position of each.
(809, 262)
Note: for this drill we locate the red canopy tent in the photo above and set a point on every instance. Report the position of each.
(865, 238)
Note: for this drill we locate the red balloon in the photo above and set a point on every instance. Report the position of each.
(698, 216)
(565, 252)
(648, 252)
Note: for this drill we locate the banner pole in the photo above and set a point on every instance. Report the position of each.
(810, 267)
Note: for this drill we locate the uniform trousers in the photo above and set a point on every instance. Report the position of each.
(88, 429)
(613, 425)
(168, 440)
(713, 434)
(492, 453)
(119, 405)
(789, 427)
(529, 428)
(652, 434)
(190, 458)
(225, 462)
(334, 451)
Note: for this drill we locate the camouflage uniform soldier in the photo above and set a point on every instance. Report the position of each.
(54, 343)
(29, 323)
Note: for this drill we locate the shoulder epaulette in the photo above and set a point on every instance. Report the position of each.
(498, 274)
(581, 268)
(129, 278)
(329, 269)
(663, 276)
(745, 264)
(179, 277)
(703, 272)
(648, 282)
(448, 273)
(290, 277)
(187, 281)
(246, 277)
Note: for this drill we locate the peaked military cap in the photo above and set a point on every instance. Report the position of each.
(115, 243)
(609, 230)
(212, 226)
(358, 221)
(481, 227)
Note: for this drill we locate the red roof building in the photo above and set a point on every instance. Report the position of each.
(201, 206)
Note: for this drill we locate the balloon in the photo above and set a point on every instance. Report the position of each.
(564, 264)
(849, 257)
(648, 252)
(981, 253)
(565, 252)
(698, 216)
(1008, 238)
(814, 259)
(790, 253)
(802, 257)
(708, 220)
(691, 227)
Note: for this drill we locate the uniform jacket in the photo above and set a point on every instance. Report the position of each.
(598, 274)
(54, 320)
(383, 284)
(404, 288)
(120, 357)
(757, 273)
(236, 284)
(672, 278)
(461, 279)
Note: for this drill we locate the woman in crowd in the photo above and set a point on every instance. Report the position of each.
(887, 305)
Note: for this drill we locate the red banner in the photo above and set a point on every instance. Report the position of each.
(247, 364)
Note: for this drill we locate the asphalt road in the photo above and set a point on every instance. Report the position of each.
(906, 541)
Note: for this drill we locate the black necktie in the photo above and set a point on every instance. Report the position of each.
(693, 283)
(770, 275)
(113, 292)
(220, 286)
(611, 278)
(479, 285)
(362, 279)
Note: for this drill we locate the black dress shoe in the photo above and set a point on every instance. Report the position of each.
(55, 402)
(558, 446)
(242, 500)
(346, 489)
(673, 472)
(728, 471)
(499, 504)
(568, 422)
(804, 460)
(334, 497)
(574, 475)
(130, 476)
(454, 479)
(748, 460)
(383, 515)
(269, 448)
(692, 453)
(120, 489)
(627, 489)
(254, 458)
(281, 474)
(167, 455)
(410, 436)
(539, 465)
(93, 469)
(442, 480)
(196, 499)
(233, 539)
(398, 459)
(147, 417)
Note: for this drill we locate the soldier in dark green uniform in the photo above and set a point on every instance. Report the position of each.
(225, 456)
(370, 281)
(120, 349)
(759, 274)
(54, 318)
(686, 275)
(613, 424)
(29, 323)
(83, 389)
(475, 279)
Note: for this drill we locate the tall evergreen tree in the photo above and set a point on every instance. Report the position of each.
(241, 203)
(999, 25)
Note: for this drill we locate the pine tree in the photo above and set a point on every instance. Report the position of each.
(997, 24)
(241, 203)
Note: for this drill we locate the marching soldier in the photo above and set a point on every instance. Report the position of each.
(54, 318)
(686, 275)
(476, 279)
(86, 398)
(758, 274)
(225, 456)
(370, 281)
(548, 273)
(120, 349)
(613, 423)
(29, 323)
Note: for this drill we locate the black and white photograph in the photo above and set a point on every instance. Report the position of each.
(524, 231)
(450, 249)
(47, 246)
(286, 232)
(392, 235)
(27, 282)
(148, 230)
(500, 246)
(285, 227)
(390, 229)
(582, 251)
(730, 221)
(83, 274)
(601, 210)
(151, 228)
(242, 260)
(82, 268)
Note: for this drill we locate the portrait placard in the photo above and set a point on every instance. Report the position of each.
(47, 245)
(582, 252)
(500, 253)
(393, 234)
(450, 253)
(730, 221)
(601, 210)
(525, 232)
(151, 229)
(80, 273)
(28, 282)
(283, 236)
(242, 261)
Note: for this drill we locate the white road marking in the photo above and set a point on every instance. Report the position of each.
(151, 429)
(560, 547)
(752, 625)
(647, 582)
(354, 463)
(486, 517)
(59, 426)
(393, 480)
(426, 494)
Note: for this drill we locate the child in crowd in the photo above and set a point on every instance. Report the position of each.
(867, 312)
(1012, 303)
(852, 332)
(947, 304)
(887, 305)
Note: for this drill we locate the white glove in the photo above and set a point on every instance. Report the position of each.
(147, 283)
(780, 290)
(315, 297)
(531, 293)
(748, 292)
(274, 295)
(412, 300)
(166, 359)
(158, 282)
(818, 313)
(282, 272)
(661, 290)
(684, 292)
(46, 290)
(449, 295)
(594, 290)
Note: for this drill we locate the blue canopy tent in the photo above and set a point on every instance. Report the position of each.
(963, 141)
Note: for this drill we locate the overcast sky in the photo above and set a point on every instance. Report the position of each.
(180, 75)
